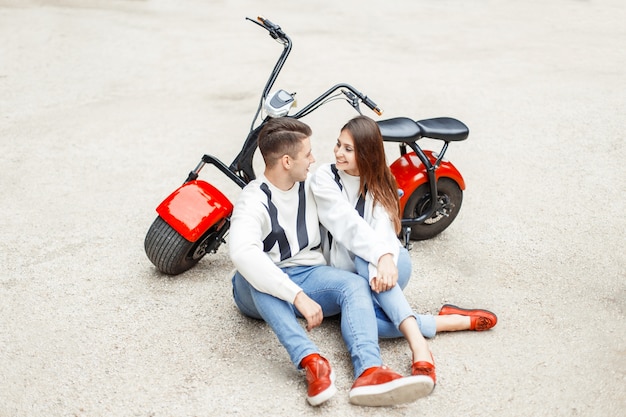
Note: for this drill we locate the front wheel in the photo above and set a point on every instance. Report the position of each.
(449, 196)
(171, 253)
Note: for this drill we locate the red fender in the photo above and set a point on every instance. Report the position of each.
(193, 208)
(410, 173)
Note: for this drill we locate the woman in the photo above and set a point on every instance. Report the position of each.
(358, 206)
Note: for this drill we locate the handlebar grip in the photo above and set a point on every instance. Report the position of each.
(265, 22)
(273, 28)
(369, 103)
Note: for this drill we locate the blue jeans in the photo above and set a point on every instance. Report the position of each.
(391, 307)
(336, 291)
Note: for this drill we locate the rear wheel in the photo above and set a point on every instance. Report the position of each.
(449, 196)
(171, 253)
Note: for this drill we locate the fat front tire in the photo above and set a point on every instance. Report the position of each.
(450, 197)
(170, 252)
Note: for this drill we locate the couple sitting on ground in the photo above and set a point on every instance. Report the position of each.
(283, 274)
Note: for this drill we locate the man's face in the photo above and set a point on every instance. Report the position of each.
(302, 161)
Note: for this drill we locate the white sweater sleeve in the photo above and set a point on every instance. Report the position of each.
(343, 221)
(381, 223)
(249, 224)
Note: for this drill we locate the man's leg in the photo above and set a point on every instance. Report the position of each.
(375, 385)
(279, 314)
(338, 291)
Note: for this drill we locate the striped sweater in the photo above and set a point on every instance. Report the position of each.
(272, 229)
(356, 225)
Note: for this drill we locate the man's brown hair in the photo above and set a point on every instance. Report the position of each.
(282, 136)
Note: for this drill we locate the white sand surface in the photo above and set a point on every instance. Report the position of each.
(105, 106)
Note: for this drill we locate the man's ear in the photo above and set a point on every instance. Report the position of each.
(285, 160)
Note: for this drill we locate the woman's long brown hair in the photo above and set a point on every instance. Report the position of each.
(373, 170)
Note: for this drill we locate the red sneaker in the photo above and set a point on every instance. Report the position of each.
(380, 386)
(320, 379)
(479, 319)
(425, 368)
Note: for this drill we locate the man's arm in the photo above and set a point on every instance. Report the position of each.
(246, 250)
(310, 310)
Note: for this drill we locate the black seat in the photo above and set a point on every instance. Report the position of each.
(403, 129)
(399, 129)
(444, 128)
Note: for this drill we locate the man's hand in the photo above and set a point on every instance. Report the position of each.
(309, 309)
(387, 274)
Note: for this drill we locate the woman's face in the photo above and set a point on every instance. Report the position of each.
(345, 157)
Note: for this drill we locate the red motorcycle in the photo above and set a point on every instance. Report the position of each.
(194, 219)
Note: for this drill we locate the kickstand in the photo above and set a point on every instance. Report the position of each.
(407, 238)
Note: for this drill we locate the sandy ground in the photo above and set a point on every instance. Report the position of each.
(106, 105)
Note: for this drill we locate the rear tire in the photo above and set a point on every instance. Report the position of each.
(449, 194)
(171, 253)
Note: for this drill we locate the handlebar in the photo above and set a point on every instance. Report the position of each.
(275, 31)
(350, 92)
(353, 95)
(369, 103)
(278, 34)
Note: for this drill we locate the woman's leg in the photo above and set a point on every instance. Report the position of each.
(452, 318)
(396, 308)
(417, 343)
(398, 313)
(452, 323)
(404, 268)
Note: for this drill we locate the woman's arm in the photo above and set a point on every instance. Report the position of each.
(382, 225)
(343, 222)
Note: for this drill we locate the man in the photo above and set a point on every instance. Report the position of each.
(282, 275)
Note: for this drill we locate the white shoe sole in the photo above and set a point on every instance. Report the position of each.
(399, 391)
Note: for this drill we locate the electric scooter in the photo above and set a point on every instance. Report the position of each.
(194, 219)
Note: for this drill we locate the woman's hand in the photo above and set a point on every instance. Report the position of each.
(387, 277)
(309, 309)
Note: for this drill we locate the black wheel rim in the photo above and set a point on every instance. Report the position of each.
(201, 249)
(443, 208)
